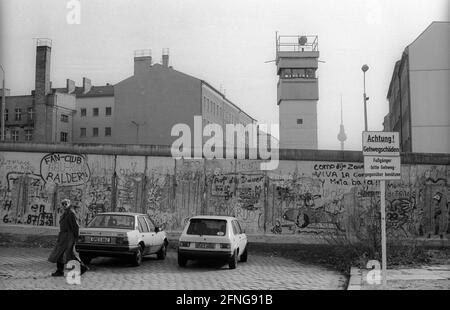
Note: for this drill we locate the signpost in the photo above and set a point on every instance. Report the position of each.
(382, 162)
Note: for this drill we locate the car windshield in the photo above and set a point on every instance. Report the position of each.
(112, 221)
(207, 227)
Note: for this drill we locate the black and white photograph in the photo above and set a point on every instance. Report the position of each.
(224, 150)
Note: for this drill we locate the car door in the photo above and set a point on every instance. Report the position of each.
(146, 234)
(157, 237)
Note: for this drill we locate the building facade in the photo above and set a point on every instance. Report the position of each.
(94, 111)
(419, 93)
(157, 97)
(44, 116)
(141, 109)
(297, 91)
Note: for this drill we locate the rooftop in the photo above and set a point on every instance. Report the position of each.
(95, 91)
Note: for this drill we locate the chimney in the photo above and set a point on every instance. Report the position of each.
(165, 57)
(86, 85)
(142, 61)
(42, 80)
(70, 85)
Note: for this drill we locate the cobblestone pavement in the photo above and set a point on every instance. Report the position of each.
(27, 268)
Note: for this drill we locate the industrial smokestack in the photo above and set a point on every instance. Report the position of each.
(42, 77)
(165, 57)
(142, 61)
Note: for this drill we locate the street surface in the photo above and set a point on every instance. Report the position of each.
(27, 268)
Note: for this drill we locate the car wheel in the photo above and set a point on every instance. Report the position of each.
(182, 261)
(137, 257)
(243, 257)
(162, 252)
(85, 258)
(232, 263)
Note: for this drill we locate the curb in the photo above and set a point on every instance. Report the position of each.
(355, 281)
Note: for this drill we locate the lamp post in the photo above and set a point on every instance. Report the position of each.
(364, 68)
(137, 131)
(3, 106)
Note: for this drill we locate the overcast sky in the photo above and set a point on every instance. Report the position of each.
(225, 43)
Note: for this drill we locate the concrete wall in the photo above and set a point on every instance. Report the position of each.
(312, 193)
(429, 61)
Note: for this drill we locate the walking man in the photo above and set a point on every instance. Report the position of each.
(64, 250)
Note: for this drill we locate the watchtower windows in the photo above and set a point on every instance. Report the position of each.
(310, 73)
(286, 73)
(298, 73)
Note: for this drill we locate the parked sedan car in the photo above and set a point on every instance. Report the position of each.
(121, 234)
(213, 237)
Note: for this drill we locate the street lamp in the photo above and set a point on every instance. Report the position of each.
(364, 68)
(3, 106)
(137, 124)
(137, 131)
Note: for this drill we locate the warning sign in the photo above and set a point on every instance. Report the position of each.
(382, 168)
(380, 143)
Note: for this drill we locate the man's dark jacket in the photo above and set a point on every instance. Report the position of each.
(64, 250)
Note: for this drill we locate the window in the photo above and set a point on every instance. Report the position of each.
(28, 135)
(15, 135)
(83, 112)
(18, 114)
(207, 227)
(82, 132)
(95, 132)
(95, 112)
(143, 227)
(6, 115)
(238, 226)
(286, 73)
(107, 131)
(112, 221)
(299, 121)
(108, 111)
(235, 229)
(63, 136)
(64, 118)
(310, 73)
(307, 73)
(151, 226)
(30, 113)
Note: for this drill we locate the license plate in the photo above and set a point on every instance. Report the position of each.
(202, 245)
(101, 239)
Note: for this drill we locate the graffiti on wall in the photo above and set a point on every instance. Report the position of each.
(299, 198)
(65, 169)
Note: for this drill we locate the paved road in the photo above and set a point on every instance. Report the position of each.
(27, 268)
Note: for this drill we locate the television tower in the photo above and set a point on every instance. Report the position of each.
(341, 135)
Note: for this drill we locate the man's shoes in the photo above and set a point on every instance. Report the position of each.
(58, 273)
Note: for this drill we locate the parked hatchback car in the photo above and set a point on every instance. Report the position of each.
(213, 237)
(113, 234)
